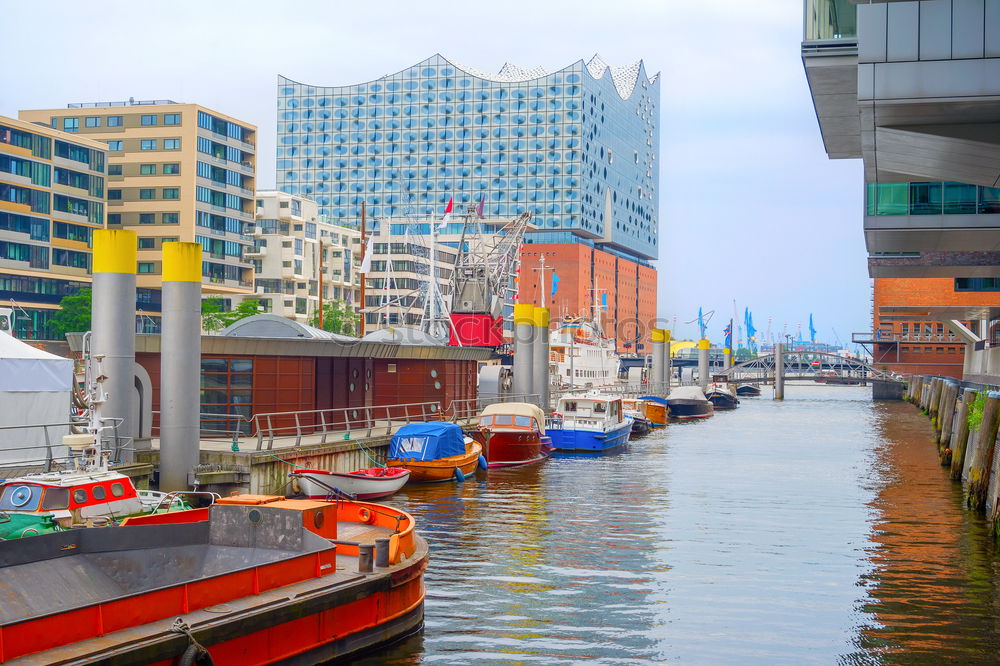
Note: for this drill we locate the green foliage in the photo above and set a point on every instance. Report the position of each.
(975, 415)
(338, 317)
(74, 314)
(215, 317)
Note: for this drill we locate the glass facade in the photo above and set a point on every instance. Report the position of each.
(831, 19)
(931, 199)
(578, 148)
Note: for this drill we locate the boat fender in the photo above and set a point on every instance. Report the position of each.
(366, 516)
(195, 654)
(482, 462)
(458, 475)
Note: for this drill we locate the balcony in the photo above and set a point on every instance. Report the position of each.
(256, 254)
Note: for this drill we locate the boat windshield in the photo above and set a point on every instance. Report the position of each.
(503, 419)
(600, 408)
(523, 421)
(55, 498)
(20, 497)
(485, 420)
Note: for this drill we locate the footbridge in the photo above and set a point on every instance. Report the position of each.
(818, 367)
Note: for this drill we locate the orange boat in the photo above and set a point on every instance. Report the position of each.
(435, 451)
(249, 580)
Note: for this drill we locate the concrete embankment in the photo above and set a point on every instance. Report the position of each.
(965, 417)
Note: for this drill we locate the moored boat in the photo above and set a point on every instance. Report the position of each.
(747, 391)
(362, 484)
(637, 410)
(434, 451)
(657, 410)
(513, 433)
(261, 580)
(688, 402)
(722, 397)
(589, 423)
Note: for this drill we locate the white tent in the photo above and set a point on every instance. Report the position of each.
(35, 389)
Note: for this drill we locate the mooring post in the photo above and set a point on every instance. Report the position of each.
(703, 370)
(982, 463)
(946, 415)
(524, 351)
(779, 371)
(382, 552)
(960, 434)
(935, 402)
(365, 557)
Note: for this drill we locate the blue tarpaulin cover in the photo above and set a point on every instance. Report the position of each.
(655, 398)
(427, 441)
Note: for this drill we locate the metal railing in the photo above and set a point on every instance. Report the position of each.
(109, 441)
(347, 422)
(466, 410)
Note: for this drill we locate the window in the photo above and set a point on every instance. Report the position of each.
(147, 193)
(55, 499)
(71, 124)
(171, 168)
(117, 489)
(147, 218)
(114, 121)
(171, 193)
(171, 144)
(296, 208)
(145, 266)
(114, 195)
(114, 145)
(170, 218)
(171, 119)
(147, 144)
(149, 120)
(147, 243)
(93, 121)
(147, 169)
(100, 493)
(114, 169)
(114, 218)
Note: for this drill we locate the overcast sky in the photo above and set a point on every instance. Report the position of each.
(751, 209)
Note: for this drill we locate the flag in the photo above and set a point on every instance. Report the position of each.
(701, 324)
(555, 284)
(447, 213)
(604, 301)
(729, 335)
(812, 331)
(366, 261)
(480, 206)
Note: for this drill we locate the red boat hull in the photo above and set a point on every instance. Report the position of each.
(514, 448)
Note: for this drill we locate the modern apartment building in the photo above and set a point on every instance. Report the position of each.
(52, 196)
(577, 148)
(913, 89)
(298, 255)
(175, 172)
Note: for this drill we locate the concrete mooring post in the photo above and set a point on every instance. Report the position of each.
(982, 462)
(703, 369)
(524, 338)
(657, 371)
(180, 371)
(113, 337)
(541, 381)
(779, 371)
(960, 433)
(667, 363)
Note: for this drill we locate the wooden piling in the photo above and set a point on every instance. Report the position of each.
(960, 433)
(982, 463)
(946, 417)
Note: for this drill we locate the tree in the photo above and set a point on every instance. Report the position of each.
(73, 315)
(215, 317)
(338, 317)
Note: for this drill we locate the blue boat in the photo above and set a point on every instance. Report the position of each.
(589, 424)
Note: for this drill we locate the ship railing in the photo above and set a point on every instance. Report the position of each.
(466, 411)
(345, 423)
(14, 459)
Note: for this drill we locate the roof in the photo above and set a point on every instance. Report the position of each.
(686, 393)
(403, 335)
(274, 326)
(515, 408)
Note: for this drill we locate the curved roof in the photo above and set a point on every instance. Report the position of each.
(274, 326)
(403, 335)
(515, 408)
(624, 77)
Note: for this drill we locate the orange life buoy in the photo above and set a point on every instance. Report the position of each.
(366, 516)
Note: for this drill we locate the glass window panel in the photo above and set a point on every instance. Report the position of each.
(925, 198)
(892, 199)
(214, 365)
(242, 365)
(959, 198)
(989, 200)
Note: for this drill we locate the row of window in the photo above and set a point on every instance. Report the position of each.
(977, 284)
(223, 127)
(219, 223)
(117, 145)
(221, 199)
(221, 151)
(146, 218)
(39, 173)
(38, 256)
(89, 156)
(932, 199)
(219, 174)
(220, 248)
(40, 146)
(148, 193)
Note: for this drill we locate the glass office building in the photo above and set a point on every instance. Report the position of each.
(578, 148)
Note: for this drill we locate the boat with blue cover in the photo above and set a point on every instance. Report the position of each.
(435, 451)
(589, 423)
(657, 410)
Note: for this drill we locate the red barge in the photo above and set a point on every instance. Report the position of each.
(249, 580)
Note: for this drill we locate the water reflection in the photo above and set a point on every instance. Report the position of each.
(820, 529)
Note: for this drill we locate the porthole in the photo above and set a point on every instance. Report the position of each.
(434, 373)
(100, 493)
(80, 496)
(437, 385)
(117, 489)
(255, 516)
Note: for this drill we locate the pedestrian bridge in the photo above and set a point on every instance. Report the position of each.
(818, 367)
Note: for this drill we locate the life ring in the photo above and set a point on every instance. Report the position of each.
(366, 516)
(20, 496)
(33, 531)
(556, 415)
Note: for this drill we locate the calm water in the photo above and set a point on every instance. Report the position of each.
(817, 530)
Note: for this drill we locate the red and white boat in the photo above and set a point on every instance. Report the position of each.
(361, 484)
(513, 433)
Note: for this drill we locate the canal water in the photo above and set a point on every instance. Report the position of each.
(820, 529)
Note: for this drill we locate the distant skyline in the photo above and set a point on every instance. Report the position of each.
(751, 209)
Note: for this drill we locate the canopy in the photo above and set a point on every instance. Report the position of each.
(654, 398)
(515, 408)
(26, 369)
(427, 441)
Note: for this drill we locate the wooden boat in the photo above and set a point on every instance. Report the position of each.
(656, 410)
(637, 410)
(362, 484)
(747, 391)
(513, 433)
(435, 451)
(688, 402)
(722, 397)
(258, 580)
(591, 423)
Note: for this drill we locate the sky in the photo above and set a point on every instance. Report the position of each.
(751, 209)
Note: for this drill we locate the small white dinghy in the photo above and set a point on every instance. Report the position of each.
(362, 484)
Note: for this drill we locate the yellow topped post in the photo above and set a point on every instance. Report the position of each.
(704, 344)
(540, 317)
(541, 381)
(524, 350)
(115, 251)
(182, 262)
(524, 313)
(657, 335)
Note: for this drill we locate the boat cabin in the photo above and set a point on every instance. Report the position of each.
(93, 494)
(590, 411)
(513, 416)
